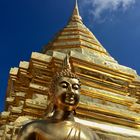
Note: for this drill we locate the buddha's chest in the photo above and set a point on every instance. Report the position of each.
(64, 131)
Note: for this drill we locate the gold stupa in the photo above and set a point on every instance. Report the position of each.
(109, 103)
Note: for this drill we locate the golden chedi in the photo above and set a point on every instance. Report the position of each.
(110, 92)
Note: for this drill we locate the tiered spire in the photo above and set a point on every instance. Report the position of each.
(76, 36)
(76, 16)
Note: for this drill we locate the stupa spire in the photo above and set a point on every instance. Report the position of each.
(76, 36)
(76, 16)
(76, 9)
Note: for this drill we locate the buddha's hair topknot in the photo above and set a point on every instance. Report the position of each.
(65, 72)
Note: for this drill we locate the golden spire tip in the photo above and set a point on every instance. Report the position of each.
(76, 3)
(76, 11)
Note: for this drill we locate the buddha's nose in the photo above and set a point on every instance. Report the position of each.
(70, 89)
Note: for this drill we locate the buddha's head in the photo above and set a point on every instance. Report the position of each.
(66, 88)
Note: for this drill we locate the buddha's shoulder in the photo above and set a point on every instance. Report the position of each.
(84, 131)
(34, 124)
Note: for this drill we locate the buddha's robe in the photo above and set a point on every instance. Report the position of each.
(53, 130)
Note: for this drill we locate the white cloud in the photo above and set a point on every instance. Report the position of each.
(99, 6)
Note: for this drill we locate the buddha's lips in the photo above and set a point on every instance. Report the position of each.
(69, 98)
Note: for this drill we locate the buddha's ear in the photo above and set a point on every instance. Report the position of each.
(50, 110)
(74, 112)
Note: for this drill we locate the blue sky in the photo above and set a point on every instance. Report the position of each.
(25, 26)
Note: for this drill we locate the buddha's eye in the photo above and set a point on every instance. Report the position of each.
(64, 85)
(76, 86)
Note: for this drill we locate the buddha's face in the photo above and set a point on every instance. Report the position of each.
(66, 93)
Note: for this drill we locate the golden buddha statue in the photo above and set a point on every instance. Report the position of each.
(65, 95)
